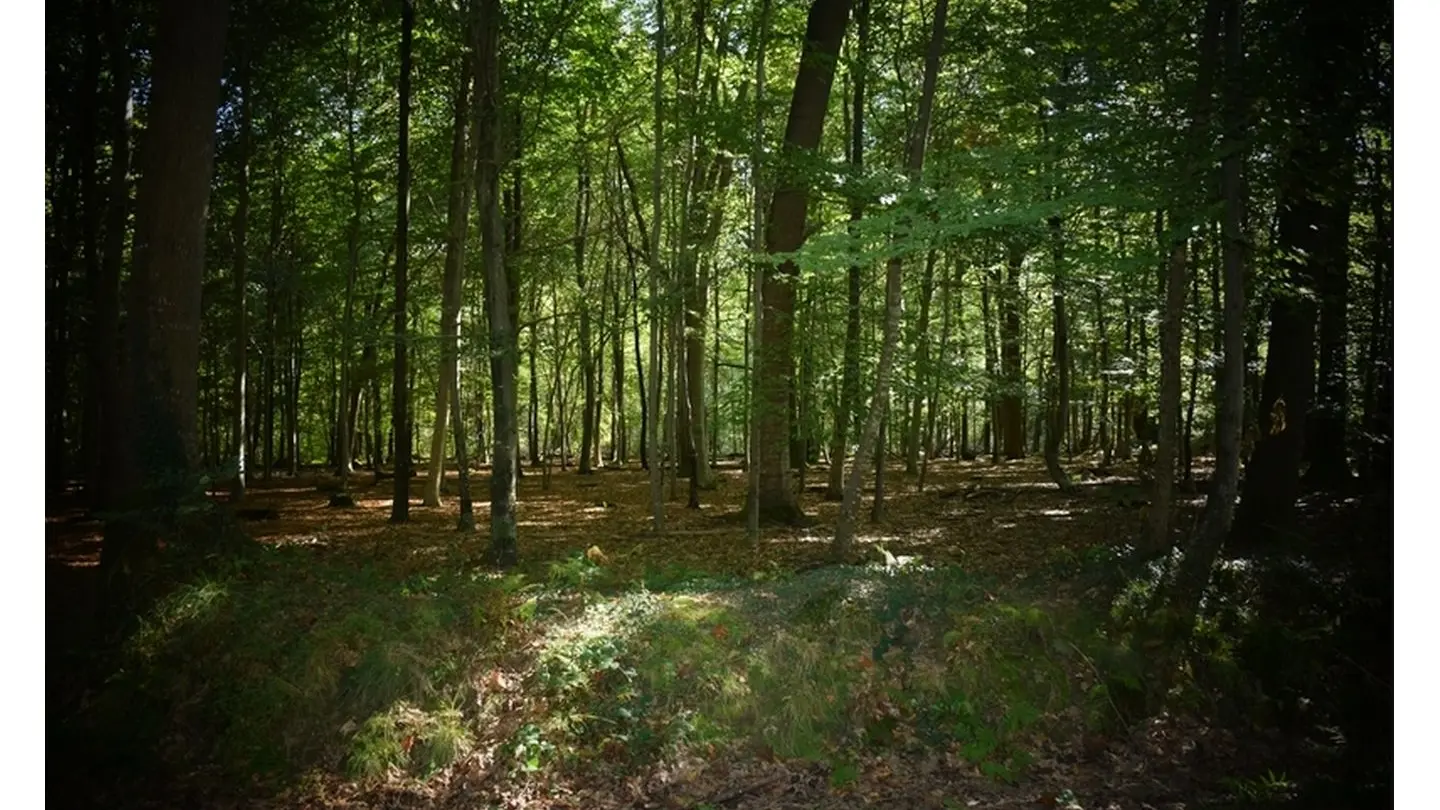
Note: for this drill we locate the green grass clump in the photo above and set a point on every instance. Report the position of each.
(270, 665)
(818, 666)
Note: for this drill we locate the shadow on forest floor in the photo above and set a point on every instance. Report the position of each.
(981, 660)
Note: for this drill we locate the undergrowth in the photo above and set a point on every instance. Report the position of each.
(284, 661)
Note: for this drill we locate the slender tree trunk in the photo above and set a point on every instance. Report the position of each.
(1012, 404)
(992, 362)
(785, 232)
(1328, 440)
(462, 161)
(877, 503)
(932, 389)
(657, 461)
(239, 234)
(922, 366)
(105, 329)
(503, 550)
(1187, 446)
(400, 387)
(1059, 405)
(755, 293)
(620, 443)
(1379, 377)
(1172, 327)
(1102, 328)
(1215, 520)
(272, 283)
(850, 375)
(874, 423)
(589, 415)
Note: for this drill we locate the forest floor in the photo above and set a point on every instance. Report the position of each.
(352, 663)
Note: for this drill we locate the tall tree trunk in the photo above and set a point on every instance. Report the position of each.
(91, 194)
(754, 294)
(932, 386)
(922, 367)
(105, 296)
(272, 284)
(157, 401)
(785, 232)
(1059, 405)
(400, 387)
(620, 443)
(462, 161)
(350, 385)
(850, 374)
(1011, 422)
(1215, 520)
(1197, 180)
(914, 164)
(503, 549)
(239, 235)
(657, 460)
(588, 416)
(1313, 190)
(1379, 377)
(1187, 447)
(992, 362)
(1327, 441)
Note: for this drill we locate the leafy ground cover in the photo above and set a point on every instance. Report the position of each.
(983, 657)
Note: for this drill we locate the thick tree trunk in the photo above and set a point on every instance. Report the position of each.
(872, 435)
(785, 232)
(154, 467)
(1313, 197)
(1328, 439)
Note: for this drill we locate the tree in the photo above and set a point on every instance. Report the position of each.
(400, 389)
(1323, 42)
(1176, 281)
(1215, 520)
(785, 231)
(850, 379)
(657, 462)
(462, 161)
(154, 468)
(914, 163)
(503, 550)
